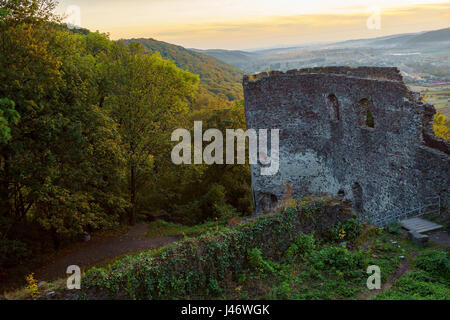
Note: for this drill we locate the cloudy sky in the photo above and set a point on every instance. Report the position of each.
(246, 24)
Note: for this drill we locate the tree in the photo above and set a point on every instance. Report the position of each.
(8, 116)
(150, 97)
(61, 167)
(28, 11)
(441, 126)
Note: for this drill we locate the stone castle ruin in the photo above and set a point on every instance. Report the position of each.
(354, 133)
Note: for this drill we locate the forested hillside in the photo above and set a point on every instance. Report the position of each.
(85, 136)
(217, 78)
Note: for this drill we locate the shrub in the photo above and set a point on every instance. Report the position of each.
(32, 287)
(186, 267)
(428, 282)
(301, 247)
(436, 263)
(214, 288)
(283, 291)
(255, 259)
(353, 229)
(349, 230)
(333, 259)
(160, 228)
(416, 285)
(393, 228)
(257, 262)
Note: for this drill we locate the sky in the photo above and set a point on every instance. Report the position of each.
(251, 24)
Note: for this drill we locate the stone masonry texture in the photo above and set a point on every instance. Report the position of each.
(328, 146)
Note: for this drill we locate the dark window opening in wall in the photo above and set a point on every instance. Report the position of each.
(269, 202)
(365, 115)
(333, 105)
(273, 200)
(357, 197)
(369, 119)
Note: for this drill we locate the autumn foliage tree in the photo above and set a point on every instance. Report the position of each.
(441, 126)
(85, 127)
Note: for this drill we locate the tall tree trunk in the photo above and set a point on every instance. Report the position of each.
(133, 196)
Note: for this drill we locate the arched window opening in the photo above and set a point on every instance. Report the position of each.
(366, 115)
(369, 119)
(269, 202)
(273, 199)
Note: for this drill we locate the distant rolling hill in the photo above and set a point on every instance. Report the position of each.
(217, 78)
(439, 37)
(442, 35)
(233, 57)
(436, 41)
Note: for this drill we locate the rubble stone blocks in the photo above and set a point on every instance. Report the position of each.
(354, 133)
(418, 238)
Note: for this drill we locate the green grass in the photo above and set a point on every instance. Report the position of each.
(429, 279)
(160, 228)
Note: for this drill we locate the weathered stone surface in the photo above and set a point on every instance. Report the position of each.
(326, 146)
(418, 238)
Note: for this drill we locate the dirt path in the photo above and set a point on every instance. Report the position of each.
(101, 249)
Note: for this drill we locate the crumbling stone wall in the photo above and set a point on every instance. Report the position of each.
(358, 134)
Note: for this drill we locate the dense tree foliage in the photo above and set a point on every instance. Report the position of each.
(195, 193)
(85, 127)
(60, 168)
(148, 98)
(441, 126)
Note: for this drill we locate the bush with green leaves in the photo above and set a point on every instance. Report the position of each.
(257, 262)
(416, 285)
(187, 268)
(436, 263)
(302, 246)
(340, 259)
(282, 291)
(214, 288)
(393, 227)
(429, 280)
(348, 230)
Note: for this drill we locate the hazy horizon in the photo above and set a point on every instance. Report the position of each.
(252, 24)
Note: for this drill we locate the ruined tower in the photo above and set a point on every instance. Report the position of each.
(354, 133)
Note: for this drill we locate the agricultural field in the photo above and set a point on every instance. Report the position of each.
(439, 96)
